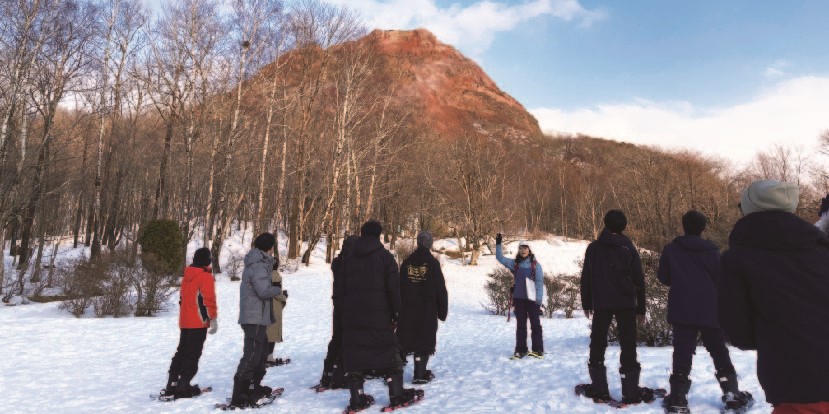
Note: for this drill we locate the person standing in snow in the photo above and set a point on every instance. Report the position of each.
(333, 373)
(690, 265)
(613, 286)
(527, 297)
(275, 329)
(774, 297)
(371, 305)
(197, 312)
(256, 293)
(423, 291)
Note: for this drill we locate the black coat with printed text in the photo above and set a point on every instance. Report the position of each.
(423, 291)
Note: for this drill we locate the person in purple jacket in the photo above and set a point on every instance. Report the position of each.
(690, 265)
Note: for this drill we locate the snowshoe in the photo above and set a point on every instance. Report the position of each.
(536, 355)
(261, 402)
(365, 402)
(164, 396)
(737, 403)
(409, 397)
(277, 362)
(429, 377)
(678, 406)
(586, 390)
(518, 355)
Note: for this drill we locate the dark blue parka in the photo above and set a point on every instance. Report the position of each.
(612, 277)
(774, 297)
(690, 265)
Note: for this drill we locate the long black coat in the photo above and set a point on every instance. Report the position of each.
(690, 265)
(612, 277)
(423, 291)
(774, 297)
(371, 298)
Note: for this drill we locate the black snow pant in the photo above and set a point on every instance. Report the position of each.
(185, 362)
(626, 324)
(335, 346)
(255, 353)
(525, 308)
(685, 346)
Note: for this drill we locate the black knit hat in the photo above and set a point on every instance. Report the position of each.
(693, 222)
(201, 258)
(615, 221)
(264, 242)
(371, 228)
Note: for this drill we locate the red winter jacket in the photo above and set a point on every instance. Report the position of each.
(198, 298)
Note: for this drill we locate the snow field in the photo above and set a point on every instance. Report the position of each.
(51, 361)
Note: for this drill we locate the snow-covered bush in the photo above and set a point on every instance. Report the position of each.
(152, 286)
(116, 299)
(563, 293)
(497, 291)
(234, 267)
(403, 249)
(80, 281)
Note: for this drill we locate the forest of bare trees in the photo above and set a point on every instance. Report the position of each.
(267, 114)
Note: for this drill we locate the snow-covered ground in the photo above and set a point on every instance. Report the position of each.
(53, 362)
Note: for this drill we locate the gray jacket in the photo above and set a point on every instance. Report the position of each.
(256, 291)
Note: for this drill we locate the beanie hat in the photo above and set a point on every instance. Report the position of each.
(694, 222)
(265, 242)
(201, 258)
(525, 243)
(615, 221)
(424, 239)
(769, 195)
(371, 228)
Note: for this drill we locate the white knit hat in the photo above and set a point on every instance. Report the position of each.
(769, 195)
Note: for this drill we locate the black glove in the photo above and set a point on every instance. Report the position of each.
(277, 284)
(285, 292)
(824, 205)
(498, 238)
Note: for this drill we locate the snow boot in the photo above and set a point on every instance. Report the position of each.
(399, 396)
(632, 393)
(172, 382)
(519, 354)
(185, 390)
(734, 399)
(597, 389)
(359, 401)
(677, 400)
(242, 394)
(421, 374)
(260, 391)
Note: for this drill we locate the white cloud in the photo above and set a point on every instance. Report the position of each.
(470, 28)
(776, 69)
(793, 112)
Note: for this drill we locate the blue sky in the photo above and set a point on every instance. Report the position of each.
(709, 53)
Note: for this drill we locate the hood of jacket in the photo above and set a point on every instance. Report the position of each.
(776, 230)
(613, 239)
(695, 243)
(256, 256)
(366, 245)
(348, 246)
(190, 272)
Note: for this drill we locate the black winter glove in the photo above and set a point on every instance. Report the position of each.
(277, 284)
(498, 238)
(285, 292)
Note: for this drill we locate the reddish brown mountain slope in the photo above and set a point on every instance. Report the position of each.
(446, 89)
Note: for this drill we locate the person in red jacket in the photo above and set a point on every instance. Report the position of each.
(198, 312)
